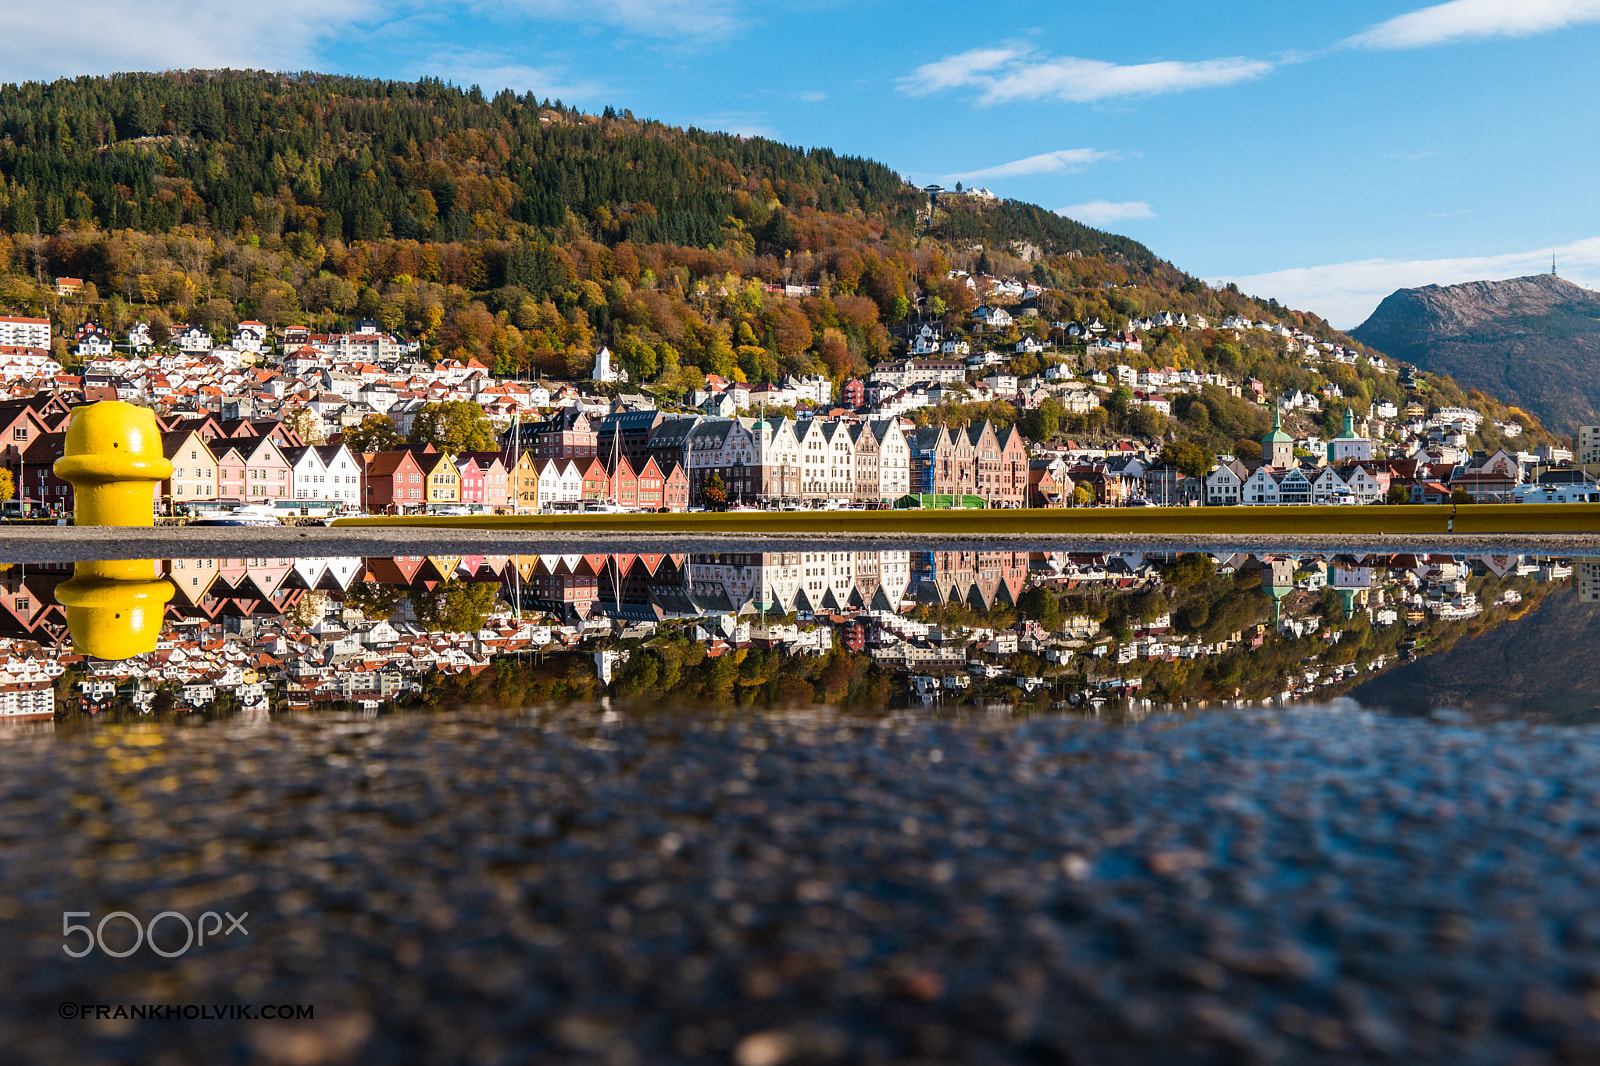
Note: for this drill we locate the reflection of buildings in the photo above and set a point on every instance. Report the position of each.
(27, 688)
(28, 604)
(650, 588)
(211, 589)
(1353, 582)
(248, 632)
(977, 579)
(1589, 580)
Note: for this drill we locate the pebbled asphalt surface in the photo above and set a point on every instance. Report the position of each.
(1303, 886)
(35, 543)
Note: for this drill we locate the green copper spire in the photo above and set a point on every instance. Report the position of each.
(1277, 447)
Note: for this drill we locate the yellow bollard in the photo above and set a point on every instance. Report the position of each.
(115, 607)
(113, 458)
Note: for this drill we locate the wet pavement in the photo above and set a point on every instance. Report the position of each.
(1301, 886)
(40, 543)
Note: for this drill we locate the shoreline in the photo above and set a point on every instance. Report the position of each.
(41, 544)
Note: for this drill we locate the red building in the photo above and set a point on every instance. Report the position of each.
(1044, 490)
(675, 487)
(625, 485)
(394, 482)
(596, 479)
(853, 393)
(652, 486)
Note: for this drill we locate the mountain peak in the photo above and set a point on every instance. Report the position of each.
(1533, 341)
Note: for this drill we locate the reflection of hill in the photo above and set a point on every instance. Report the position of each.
(1546, 666)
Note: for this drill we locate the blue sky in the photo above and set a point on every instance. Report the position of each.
(1320, 153)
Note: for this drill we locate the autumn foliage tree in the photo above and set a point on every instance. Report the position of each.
(375, 433)
(453, 426)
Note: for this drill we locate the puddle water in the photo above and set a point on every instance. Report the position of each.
(805, 807)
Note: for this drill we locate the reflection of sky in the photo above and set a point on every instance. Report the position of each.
(358, 630)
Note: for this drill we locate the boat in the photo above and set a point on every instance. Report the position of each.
(249, 514)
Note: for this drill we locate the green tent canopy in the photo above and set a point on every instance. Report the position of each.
(942, 501)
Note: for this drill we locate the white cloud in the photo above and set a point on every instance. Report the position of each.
(1346, 293)
(1063, 161)
(1105, 212)
(1475, 20)
(110, 35)
(1019, 72)
(812, 96)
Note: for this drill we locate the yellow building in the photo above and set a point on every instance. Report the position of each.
(525, 478)
(441, 478)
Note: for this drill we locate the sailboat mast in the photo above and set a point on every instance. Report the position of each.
(516, 463)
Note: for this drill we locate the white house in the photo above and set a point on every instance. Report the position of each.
(894, 458)
(93, 340)
(926, 342)
(250, 337)
(1277, 488)
(560, 481)
(28, 363)
(193, 339)
(326, 472)
(816, 388)
(996, 319)
(1366, 488)
(1328, 487)
(1225, 484)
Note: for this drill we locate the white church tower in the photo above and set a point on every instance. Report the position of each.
(604, 372)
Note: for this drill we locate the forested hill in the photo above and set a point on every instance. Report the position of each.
(356, 159)
(524, 233)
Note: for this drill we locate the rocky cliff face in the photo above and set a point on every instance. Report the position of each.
(1533, 342)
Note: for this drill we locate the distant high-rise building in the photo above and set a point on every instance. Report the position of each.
(1589, 581)
(1589, 444)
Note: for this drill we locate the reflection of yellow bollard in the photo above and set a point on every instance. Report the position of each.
(114, 608)
(113, 457)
